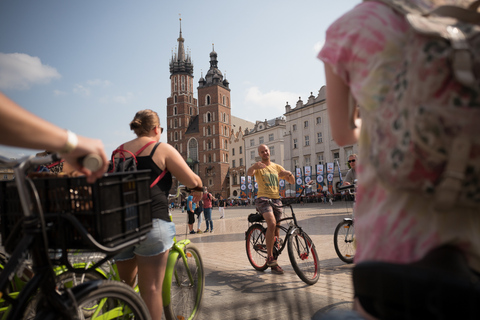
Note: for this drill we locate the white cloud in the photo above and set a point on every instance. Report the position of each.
(273, 99)
(98, 82)
(81, 90)
(58, 93)
(260, 106)
(20, 71)
(122, 99)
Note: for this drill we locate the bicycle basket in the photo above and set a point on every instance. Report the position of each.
(115, 209)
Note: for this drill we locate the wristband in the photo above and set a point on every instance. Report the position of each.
(71, 144)
(198, 189)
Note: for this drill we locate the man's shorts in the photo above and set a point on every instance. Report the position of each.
(263, 205)
(191, 217)
(158, 240)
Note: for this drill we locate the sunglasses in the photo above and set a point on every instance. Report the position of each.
(350, 161)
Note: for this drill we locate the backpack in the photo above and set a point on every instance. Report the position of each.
(434, 145)
(128, 164)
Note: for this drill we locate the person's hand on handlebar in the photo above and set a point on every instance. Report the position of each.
(21, 128)
(87, 146)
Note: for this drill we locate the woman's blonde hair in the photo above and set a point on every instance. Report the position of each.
(144, 121)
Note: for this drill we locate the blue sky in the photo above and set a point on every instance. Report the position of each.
(90, 65)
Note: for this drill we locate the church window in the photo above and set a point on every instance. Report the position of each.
(193, 149)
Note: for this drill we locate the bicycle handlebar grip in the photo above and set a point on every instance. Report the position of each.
(347, 187)
(92, 162)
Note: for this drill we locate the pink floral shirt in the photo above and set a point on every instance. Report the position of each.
(365, 47)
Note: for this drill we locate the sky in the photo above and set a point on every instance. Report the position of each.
(90, 65)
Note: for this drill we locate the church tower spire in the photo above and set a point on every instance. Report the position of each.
(181, 105)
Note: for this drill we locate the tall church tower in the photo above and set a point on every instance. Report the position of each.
(200, 133)
(181, 105)
(214, 127)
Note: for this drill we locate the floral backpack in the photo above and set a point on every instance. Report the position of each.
(434, 150)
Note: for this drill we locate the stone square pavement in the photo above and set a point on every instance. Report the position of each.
(235, 290)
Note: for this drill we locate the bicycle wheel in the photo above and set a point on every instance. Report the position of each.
(303, 257)
(256, 246)
(68, 280)
(112, 300)
(344, 241)
(185, 296)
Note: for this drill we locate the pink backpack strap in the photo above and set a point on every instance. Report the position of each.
(143, 148)
(120, 151)
(158, 178)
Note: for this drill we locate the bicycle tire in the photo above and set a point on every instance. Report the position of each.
(256, 247)
(68, 280)
(122, 302)
(303, 257)
(186, 297)
(344, 241)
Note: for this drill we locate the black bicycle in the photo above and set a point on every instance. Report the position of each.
(344, 235)
(301, 250)
(48, 216)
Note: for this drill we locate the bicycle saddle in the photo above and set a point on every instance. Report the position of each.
(255, 217)
(439, 286)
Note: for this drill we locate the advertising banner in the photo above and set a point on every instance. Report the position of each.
(330, 169)
(282, 190)
(339, 173)
(298, 181)
(250, 187)
(243, 188)
(320, 178)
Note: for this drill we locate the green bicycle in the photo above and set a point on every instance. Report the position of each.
(183, 284)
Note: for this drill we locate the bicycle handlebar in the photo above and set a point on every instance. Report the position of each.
(92, 162)
(347, 187)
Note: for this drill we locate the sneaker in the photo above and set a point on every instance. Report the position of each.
(205, 231)
(192, 232)
(199, 231)
(277, 270)
(271, 262)
(211, 231)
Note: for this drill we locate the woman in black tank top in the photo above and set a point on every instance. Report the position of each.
(149, 258)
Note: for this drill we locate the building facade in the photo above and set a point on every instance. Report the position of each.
(237, 154)
(308, 139)
(268, 132)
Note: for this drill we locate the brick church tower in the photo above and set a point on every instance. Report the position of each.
(200, 133)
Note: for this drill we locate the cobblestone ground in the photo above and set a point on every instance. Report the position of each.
(234, 290)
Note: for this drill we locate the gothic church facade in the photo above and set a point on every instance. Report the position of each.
(200, 129)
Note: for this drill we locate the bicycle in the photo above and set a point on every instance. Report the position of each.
(69, 202)
(183, 284)
(344, 235)
(301, 250)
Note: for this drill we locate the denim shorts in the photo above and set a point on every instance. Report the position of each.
(158, 240)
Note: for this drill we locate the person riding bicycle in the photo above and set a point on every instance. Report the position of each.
(364, 58)
(148, 260)
(268, 203)
(20, 128)
(352, 173)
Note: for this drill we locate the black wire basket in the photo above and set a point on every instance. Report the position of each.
(113, 210)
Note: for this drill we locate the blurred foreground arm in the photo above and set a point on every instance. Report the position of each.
(20, 128)
(338, 94)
